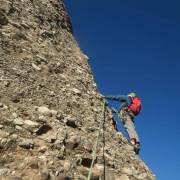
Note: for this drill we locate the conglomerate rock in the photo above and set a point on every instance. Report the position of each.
(50, 109)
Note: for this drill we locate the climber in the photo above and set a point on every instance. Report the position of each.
(130, 107)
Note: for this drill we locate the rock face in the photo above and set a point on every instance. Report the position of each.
(50, 109)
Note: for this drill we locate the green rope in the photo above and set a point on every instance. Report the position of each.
(117, 113)
(94, 153)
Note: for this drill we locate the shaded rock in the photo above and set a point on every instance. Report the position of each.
(88, 146)
(59, 117)
(45, 174)
(3, 19)
(64, 177)
(43, 149)
(71, 123)
(26, 144)
(19, 35)
(4, 107)
(52, 138)
(4, 142)
(43, 129)
(15, 99)
(61, 154)
(33, 164)
(1, 105)
(47, 34)
(73, 142)
(86, 161)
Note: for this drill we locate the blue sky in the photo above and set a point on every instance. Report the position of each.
(135, 46)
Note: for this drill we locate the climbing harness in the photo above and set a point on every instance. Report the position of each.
(94, 153)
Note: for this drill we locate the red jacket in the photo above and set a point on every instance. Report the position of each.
(135, 106)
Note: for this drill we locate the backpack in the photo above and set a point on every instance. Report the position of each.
(135, 106)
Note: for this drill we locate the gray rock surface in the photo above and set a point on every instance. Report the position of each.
(50, 108)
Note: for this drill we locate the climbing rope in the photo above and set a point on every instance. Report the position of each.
(94, 153)
(116, 112)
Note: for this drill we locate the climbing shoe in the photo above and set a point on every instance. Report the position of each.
(137, 147)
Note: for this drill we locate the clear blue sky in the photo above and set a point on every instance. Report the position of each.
(135, 46)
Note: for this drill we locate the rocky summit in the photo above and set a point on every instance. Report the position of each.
(51, 113)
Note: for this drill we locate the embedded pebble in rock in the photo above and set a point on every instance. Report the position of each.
(76, 91)
(18, 127)
(18, 121)
(36, 67)
(14, 115)
(42, 149)
(50, 107)
(14, 136)
(67, 165)
(44, 111)
(30, 125)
